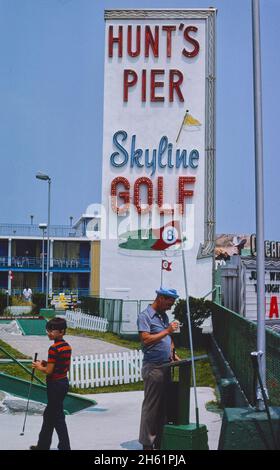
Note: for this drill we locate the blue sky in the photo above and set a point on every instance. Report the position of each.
(51, 95)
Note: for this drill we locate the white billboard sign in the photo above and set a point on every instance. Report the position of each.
(158, 150)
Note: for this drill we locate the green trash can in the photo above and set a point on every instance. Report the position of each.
(179, 433)
(185, 437)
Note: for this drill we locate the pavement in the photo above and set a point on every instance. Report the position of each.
(112, 424)
(81, 346)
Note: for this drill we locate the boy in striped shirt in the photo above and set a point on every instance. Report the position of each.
(56, 369)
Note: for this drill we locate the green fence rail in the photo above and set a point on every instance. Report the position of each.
(237, 338)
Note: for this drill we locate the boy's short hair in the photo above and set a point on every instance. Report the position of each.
(56, 324)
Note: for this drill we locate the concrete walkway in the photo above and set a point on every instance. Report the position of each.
(112, 424)
(81, 346)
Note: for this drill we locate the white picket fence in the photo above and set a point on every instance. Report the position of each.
(106, 369)
(85, 322)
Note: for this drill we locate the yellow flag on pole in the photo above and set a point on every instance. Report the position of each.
(191, 121)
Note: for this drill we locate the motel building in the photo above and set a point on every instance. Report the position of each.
(74, 256)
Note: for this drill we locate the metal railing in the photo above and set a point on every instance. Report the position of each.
(62, 263)
(28, 230)
(217, 294)
(4, 261)
(77, 292)
(36, 263)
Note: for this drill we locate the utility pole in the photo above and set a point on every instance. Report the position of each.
(259, 191)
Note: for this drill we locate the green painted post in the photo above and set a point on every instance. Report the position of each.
(218, 295)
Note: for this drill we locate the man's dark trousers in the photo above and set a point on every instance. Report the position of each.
(54, 417)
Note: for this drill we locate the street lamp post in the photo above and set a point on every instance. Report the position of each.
(43, 228)
(44, 177)
(259, 185)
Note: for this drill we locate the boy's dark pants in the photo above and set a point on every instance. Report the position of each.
(54, 417)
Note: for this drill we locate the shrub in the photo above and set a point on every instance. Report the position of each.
(39, 301)
(199, 311)
(3, 302)
(90, 305)
(18, 301)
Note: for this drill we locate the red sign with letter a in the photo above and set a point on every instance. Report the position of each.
(273, 310)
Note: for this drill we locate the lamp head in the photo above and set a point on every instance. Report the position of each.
(42, 176)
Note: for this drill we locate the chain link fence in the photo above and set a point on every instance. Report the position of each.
(121, 314)
(237, 338)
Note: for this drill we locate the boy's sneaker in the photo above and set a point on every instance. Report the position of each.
(34, 448)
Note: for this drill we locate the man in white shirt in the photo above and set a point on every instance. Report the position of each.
(27, 294)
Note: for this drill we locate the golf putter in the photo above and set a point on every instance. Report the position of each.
(28, 397)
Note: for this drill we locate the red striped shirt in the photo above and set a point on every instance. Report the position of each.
(60, 355)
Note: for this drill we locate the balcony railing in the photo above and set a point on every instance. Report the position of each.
(78, 292)
(81, 263)
(56, 264)
(3, 261)
(28, 230)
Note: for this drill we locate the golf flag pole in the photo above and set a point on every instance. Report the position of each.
(165, 266)
(161, 273)
(182, 125)
(188, 314)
